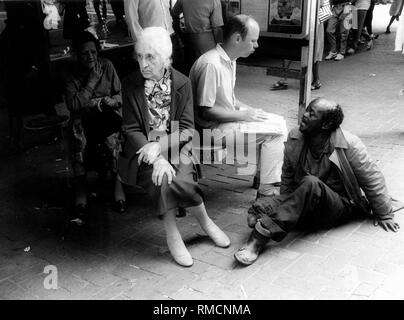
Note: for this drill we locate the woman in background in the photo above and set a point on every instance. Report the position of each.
(93, 96)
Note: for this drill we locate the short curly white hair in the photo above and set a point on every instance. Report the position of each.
(159, 40)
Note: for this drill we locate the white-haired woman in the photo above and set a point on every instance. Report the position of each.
(157, 113)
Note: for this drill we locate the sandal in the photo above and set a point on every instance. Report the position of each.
(279, 85)
(316, 85)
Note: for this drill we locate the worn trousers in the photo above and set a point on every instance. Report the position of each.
(312, 204)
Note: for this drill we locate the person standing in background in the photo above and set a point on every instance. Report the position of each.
(203, 26)
(338, 28)
(75, 18)
(362, 7)
(395, 13)
(141, 14)
(24, 66)
(399, 41)
(101, 17)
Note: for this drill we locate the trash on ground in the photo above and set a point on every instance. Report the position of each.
(77, 221)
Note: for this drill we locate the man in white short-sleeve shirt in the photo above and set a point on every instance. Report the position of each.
(213, 78)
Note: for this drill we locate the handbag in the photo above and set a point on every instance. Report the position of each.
(324, 13)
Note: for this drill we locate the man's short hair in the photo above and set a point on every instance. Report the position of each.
(334, 116)
(237, 24)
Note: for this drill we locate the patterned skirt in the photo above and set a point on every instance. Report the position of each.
(95, 142)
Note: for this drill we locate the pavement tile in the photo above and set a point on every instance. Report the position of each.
(6, 287)
(199, 267)
(222, 261)
(337, 260)
(225, 292)
(288, 254)
(255, 290)
(20, 294)
(332, 294)
(112, 291)
(310, 288)
(136, 245)
(176, 282)
(199, 245)
(395, 256)
(365, 289)
(313, 237)
(129, 272)
(367, 275)
(387, 268)
(381, 294)
(344, 231)
(240, 274)
(156, 262)
(305, 265)
(302, 246)
(394, 285)
(356, 297)
(99, 277)
(144, 289)
(36, 287)
(9, 271)
(28, 274)
(273, 268)
(202, 285)
(367, 258)
(213, 273)
(243, 229)
(189, 294)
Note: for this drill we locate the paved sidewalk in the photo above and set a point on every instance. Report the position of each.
(125, 256)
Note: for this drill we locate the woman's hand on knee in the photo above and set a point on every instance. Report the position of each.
(149, 153)
(162, 167)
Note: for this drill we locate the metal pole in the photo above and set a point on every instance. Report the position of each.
(307, 60)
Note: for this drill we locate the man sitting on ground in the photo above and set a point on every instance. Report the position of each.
(213, 78)
(323, 173)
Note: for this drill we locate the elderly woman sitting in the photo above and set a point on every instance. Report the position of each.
(157, 113)
(93, 96)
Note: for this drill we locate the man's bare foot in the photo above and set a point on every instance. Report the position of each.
(248, 254)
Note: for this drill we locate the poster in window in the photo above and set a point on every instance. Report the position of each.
(285, 16)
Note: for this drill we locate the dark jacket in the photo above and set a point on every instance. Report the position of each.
(135, 121)
(357, 171)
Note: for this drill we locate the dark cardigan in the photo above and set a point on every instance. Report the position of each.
(135, 120)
